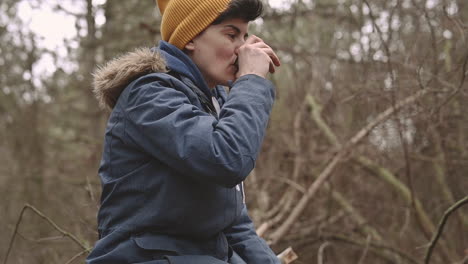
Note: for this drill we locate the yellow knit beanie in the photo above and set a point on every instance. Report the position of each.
(183, 20)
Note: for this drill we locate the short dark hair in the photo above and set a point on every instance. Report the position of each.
(248, 10)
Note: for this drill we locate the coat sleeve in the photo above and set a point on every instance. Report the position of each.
(162, 121)
(247, 244)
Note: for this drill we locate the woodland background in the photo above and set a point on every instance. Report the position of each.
(366, 149)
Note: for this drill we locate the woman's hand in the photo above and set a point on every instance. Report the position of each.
(256, 57)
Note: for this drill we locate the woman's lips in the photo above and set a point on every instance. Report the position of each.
(236, 65)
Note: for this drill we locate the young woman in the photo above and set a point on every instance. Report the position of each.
(178, 146)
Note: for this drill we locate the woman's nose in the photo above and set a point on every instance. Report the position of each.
(240, 42)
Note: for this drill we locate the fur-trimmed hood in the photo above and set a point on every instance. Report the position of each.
(111, 79)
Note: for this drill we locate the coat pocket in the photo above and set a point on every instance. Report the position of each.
(156, 246)
(178, 250)
(194, 259)
(162, 261)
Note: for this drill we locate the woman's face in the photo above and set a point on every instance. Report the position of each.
(214, 51)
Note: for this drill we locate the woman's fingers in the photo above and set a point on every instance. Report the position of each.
(251, 64)
(268, 50)
(252, 39)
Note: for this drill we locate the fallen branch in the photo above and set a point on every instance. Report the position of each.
(333, 139)
(440, 228)
(52, 223)
(262, 229)
(326, 173)
(287, 256)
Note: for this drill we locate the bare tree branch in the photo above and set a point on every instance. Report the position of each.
(437, 235)
(47, 219)
(460, 85)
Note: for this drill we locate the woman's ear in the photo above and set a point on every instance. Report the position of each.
(190, 46)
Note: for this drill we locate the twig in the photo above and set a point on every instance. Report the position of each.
(321, 251)
(59, 7)
(52, 223)
(46, 239)
(14, 235)
(89, 189)
(460, 85)
(366, 249)
(440, 228)
(289, 182)
(39, 240)
(76, 256)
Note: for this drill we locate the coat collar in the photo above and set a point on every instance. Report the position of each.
(182, 64)
(112, 78)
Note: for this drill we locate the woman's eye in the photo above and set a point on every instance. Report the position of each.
(232, 36)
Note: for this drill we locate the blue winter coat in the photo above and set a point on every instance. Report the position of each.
(171, 169)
